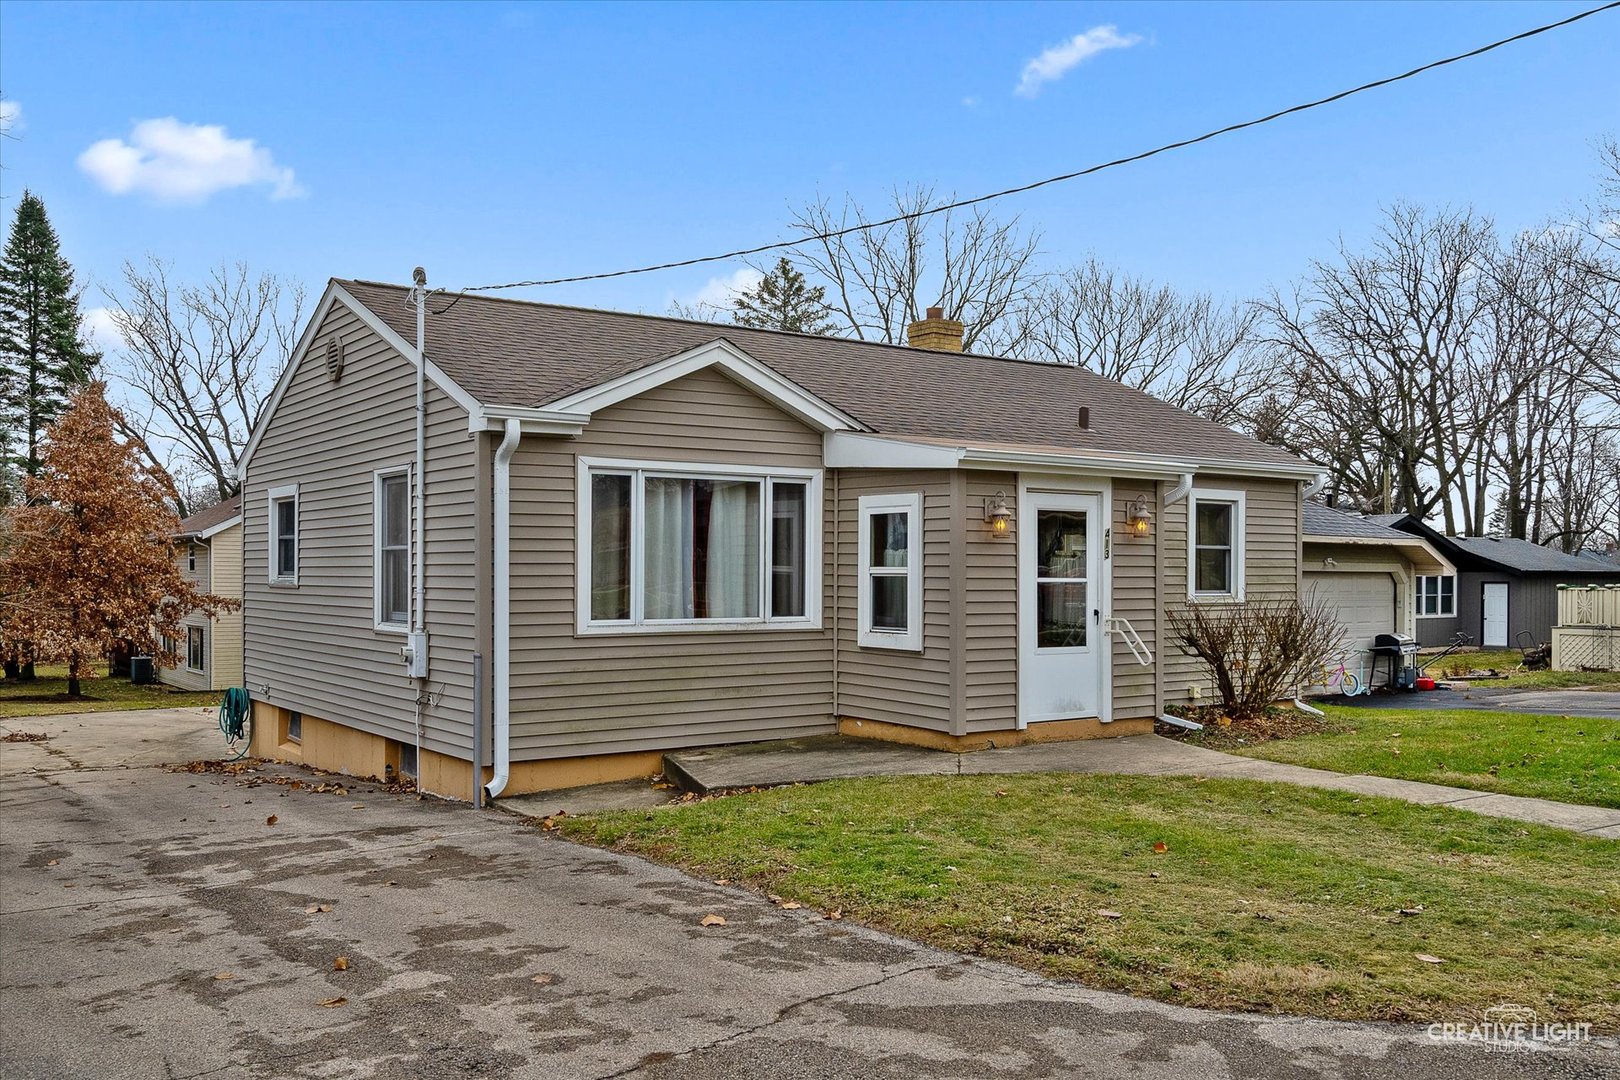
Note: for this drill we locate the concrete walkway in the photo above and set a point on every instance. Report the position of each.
(830, 757)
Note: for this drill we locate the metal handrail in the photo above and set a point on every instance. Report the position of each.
(1133, 641)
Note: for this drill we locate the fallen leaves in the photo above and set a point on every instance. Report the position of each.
(713, 920)
(1160, 847)
(333, 1002)
(271, 820)
(1107, 914)
(318, 909)
(24, 736)
(545, 978)
(835, 914)
(341, 963)
(225, 976)
(1427, 959)
(1409, 911)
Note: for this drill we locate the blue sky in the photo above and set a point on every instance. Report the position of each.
(496, 141)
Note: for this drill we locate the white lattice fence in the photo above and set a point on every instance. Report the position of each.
(1586, 648)
(1589, 605)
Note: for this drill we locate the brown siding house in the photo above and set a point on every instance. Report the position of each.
(660, 533)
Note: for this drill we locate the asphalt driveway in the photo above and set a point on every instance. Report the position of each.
(155, 923)
(1598, 704)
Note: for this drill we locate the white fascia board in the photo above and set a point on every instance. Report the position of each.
(336, 293)
(209, 534)
(726, 357)
(1091, 464)
(532, 421)
(847, 450)
(1415, 546)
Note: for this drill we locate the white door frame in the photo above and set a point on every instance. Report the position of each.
(1103, 488)
(1485, 588)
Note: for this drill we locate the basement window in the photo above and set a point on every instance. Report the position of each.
(295, 727)
(407, 760)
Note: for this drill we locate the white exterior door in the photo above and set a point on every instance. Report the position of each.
(1061, 594)
(1493, 628)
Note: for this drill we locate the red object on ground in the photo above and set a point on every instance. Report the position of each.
(1425, 683)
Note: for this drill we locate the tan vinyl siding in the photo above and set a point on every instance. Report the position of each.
(314, 648)
(611, 693)
(199, 576)
(1271, 540)
(182, 676)
(889, 684)
(1136, 599)
(225, 579)
(990, 616)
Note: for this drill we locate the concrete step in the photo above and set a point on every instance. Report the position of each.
(800, 761)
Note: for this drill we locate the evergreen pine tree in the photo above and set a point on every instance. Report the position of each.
(43, 354)
(783, 301)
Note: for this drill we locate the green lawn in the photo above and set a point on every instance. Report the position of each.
(1265, 897)
(1547, 757)
(47, 695)
(1507, 661)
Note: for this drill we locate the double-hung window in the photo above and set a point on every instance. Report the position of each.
(195, 657)
(191, 556)
(392, 549)
(889, 589)
(284, 535)
(1436, 596)
(1215, 545)
(697, 547)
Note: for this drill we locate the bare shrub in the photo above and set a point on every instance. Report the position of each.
(1258, 650)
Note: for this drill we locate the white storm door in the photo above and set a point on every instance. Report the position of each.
(1060, 602)
(1494, 614)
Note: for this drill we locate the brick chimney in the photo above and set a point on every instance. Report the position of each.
(935, 332)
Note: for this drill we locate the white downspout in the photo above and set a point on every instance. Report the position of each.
(503, 607)
(1316, 485)
(419, 600)
(1179, 492)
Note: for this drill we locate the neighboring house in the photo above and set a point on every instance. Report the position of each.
(1502, 587)
(661, 534)
(1370, 573)
(209, 550)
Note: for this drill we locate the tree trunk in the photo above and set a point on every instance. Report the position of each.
(74, 689)
(13, 667)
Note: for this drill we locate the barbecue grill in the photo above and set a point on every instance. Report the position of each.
(1399, 652)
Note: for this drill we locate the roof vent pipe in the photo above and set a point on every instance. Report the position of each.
(1085, 418)
(503, 607)
(1179, 492)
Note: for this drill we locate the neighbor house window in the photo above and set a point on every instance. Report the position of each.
(1215, 545)
(191, 556)
(1436, 596)
(890, 585)
(170, 645)
(665, 547)
(194, 648)
(284, 535)
(392, 554)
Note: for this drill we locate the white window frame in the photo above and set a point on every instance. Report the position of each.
(274, 496)
(1417, 592)
(869, 637)
(639, 471)
(381, 624)
(202, 648)
(1240, 518)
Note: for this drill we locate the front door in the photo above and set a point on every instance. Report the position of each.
(1494, 618)
(1060, 602)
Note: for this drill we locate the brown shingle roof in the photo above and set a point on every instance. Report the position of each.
(519, 353)
(218, 514)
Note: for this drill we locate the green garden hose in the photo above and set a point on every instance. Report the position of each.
(234, 714)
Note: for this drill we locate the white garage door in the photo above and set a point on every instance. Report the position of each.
(1365, 603)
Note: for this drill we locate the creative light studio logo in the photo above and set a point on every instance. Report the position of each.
(1511, 1027)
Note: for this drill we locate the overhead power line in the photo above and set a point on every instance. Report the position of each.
(781, 245)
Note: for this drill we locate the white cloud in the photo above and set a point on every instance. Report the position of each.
(719, 292)
(177, 162)
(1058, 60)
(102, 331)
(11, 116)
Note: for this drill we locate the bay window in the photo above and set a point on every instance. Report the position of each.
(889, 589)
(1215, 545)
(698, 547)
(1436, 596)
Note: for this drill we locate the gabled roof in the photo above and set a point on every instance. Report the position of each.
(1324, 524)
(1505, 553)
(212, 521)
(518, 355)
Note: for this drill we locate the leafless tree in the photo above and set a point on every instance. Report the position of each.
(197, 364)
(979, 269)
(1258, 651)
(1191, 351)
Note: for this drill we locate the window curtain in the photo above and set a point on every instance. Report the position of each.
(732, 569)
(668, 511)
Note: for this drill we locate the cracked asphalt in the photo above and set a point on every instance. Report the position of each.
(152, 924)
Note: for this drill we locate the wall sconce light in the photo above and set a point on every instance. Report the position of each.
(997, 512)
(1139, 518)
